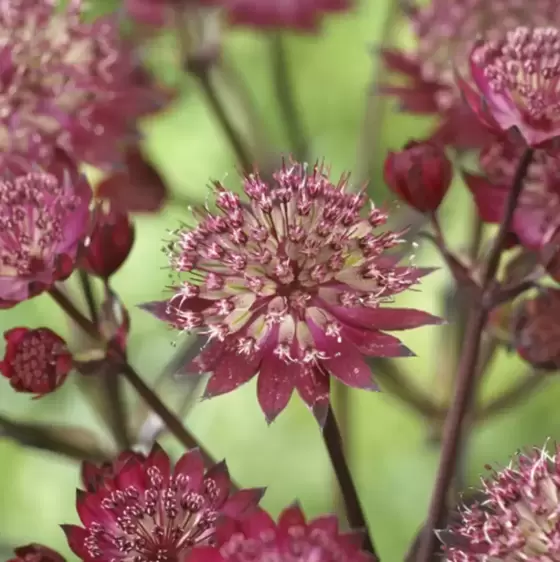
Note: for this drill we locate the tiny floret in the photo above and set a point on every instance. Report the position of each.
(291, 284)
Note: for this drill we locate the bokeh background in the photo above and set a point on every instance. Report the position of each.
(391, 454)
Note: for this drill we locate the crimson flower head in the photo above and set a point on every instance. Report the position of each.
(150, 511)
(36, 361)
(517, 81)
(445, 33)
(420, 174)
(44, 215)
(67, 82)
(109, 243)
(290, 285)
(257, 537)
(517, 520)
(36, 553)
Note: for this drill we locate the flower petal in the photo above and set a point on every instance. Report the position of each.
(232, 371)
(242, 501)
(191, 465)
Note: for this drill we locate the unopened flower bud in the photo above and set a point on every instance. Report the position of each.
(110, 242)
(36, 553)
(36, 361)
(420, 174)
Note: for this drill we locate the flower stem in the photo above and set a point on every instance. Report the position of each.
(173, 423)
(286, 100)
(333, 442)
(203, 75)
(467, 369)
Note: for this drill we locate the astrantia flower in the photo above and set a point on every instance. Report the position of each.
(258, 538)
(518, 520)
(445, 34)
(292, 286)
(149, 511)
(67, 83)
(36, 361)
(44, 216)
(36, 553)
(518, 82)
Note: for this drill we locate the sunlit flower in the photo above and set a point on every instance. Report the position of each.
(36, 553)
(151, 511)
(44, 216)
(35, 360)
(292, 286)
(67, 83)
(258, 538)
(445, 33)
(518, 518)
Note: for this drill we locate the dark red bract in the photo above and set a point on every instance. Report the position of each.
(36, 361)
(420, 174)
(109, 243)
(144, 510)
(290, 285)
(259, 539)
(36, 553)
(93, 476)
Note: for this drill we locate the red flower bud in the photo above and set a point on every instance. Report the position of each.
(110, 242)
(36, 553)
(35, 361)
(536, 330)
(420, 174)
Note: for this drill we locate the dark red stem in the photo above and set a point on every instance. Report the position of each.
(467, 370)
(354, 512)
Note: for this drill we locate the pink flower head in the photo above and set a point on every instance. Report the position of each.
(36, 553)
(292, 286)
(258, 538)
(517, 521)
(36, 361)
(518, 82)
(445, 33)
(67, 83)
(44, 216)
(151, 511)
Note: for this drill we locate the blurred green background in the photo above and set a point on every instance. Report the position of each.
(391, 457)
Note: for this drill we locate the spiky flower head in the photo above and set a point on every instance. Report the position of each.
(257, 537)
(36, 553)
(518, 77)
(149, 511)
(445, 33)
(35, 360)
(44, 216)
(291, 285)
(518, 519)
(66, 82)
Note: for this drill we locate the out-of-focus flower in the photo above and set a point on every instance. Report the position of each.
(536, 329)
(44, 216)
(109, 243)
(36, 553)
(137, 189)
(517, 519)
(93, 476)
(156, 12)
(290, 285)
(258, 538)
(420, 174)
(445, 35)
(68, 83)
(35, 360)
(151, 511)
(516, 81)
